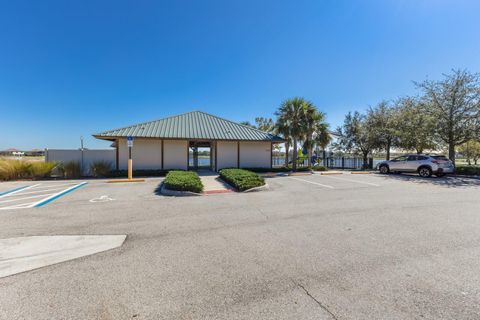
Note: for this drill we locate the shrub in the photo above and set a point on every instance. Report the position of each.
(39, 170)
(72, 169)
(100, 168)
(183, 181)
(241, 179)
(14, 169)
(18, 169)
(319, 168)
(468, 170)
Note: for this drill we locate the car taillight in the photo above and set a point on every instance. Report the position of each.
(435, 161)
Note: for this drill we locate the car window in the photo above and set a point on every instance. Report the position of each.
(412, 158)
(402, 158)
(422, 158)
(440, 158)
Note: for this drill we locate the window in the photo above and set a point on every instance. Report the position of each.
(412, 158)
(402, 158)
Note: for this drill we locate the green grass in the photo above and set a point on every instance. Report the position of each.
(183, 181)
(241, 179)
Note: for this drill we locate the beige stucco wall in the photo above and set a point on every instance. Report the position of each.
(255, 154)
(175, 154)
(146, 154)
(226, 154)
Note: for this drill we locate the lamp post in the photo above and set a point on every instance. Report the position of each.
(81, 150)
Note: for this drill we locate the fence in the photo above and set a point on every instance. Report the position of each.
(84, 158)
(348, 162)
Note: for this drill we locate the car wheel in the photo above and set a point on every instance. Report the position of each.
(425, 172)
(384, 169)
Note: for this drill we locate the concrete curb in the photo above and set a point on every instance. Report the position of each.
(326, 173)
(175, 193)
(256, 189)
(307, 173)
(361, 172)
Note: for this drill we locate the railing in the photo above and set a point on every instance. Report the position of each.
(348, 162)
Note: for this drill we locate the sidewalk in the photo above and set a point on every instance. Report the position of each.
(213, 184)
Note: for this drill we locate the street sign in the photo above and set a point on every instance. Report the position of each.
(130, 141)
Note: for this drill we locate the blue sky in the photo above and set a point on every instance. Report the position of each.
(72, 68)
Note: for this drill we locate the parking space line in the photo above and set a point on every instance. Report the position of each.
(56, 195)
(316, 183)
(30, 197)
(41, 190)
(352, 180)
(14, 191)
(10, 191)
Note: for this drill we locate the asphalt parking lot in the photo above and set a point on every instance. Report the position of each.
(311, 247)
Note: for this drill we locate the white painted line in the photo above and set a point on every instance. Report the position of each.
(17, 206)
(316, 183)
(29, 253)
(40, 190)
(102, 199)
(19, 190)
(352, 180)
(56, 195)
(52, 184)
(30, 197)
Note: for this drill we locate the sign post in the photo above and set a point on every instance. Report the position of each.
(130, 162)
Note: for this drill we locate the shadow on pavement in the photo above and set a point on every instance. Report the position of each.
(446, 181)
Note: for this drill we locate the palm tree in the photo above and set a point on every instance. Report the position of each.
(316, 130)
(291, 117)
(282, 128)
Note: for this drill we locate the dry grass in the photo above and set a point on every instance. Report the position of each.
(20, 169)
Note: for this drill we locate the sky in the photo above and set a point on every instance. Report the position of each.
(74, 68)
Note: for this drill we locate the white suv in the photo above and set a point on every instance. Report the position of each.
(424, 164)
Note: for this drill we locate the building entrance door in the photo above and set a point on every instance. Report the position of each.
(199, 155)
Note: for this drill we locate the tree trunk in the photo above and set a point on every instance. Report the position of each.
(365, 160)
(294, 160)
(389, 145)
(287, 147)
(451, 152)
(310, 155)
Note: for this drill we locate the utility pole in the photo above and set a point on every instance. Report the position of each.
(81, 150)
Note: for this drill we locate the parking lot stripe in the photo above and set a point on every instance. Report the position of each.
(56, 195)
(41, 190)
(13, 190)
(24, 198)
(352, 180)
(9, 193)
(316, 183)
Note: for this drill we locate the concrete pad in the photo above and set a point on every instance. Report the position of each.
(213, 184)
(27, 253)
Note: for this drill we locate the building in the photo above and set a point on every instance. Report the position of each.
(193, 140)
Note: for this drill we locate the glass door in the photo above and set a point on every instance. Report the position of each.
(199, 155)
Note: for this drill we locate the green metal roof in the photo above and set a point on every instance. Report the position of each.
(191, 125)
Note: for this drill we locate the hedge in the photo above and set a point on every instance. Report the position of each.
(183, 181)
(241, 179)
(468, 170)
